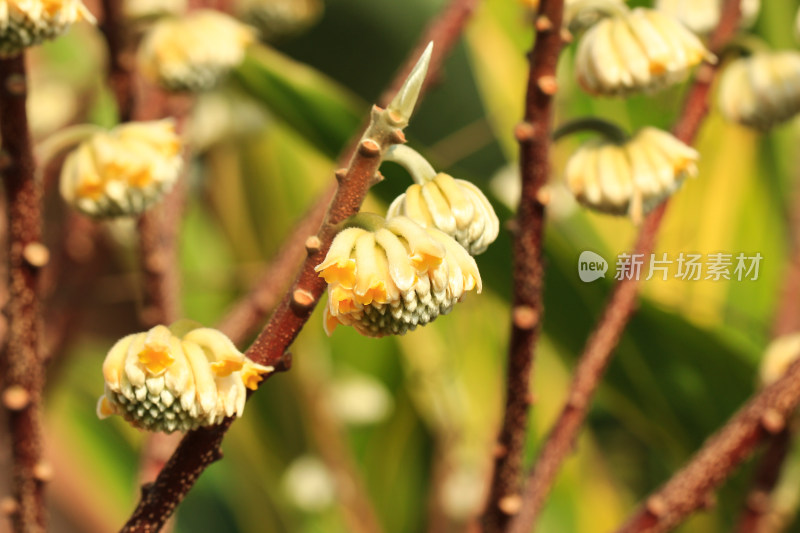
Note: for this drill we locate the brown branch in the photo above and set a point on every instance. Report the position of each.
(249, 312)
(24, 379)
(120, 58)
(620, 307)
(528, 274)
(692, 486)
(757, 504)
(787, 320)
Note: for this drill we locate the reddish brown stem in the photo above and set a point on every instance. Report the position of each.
(757, 504)
(616, 315)
(787, 321)
(528, 271)
(24, 377)
(692, 486)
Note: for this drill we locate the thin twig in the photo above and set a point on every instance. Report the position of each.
(25, 377)
(600, 346)
(333, 448)
(691, 487)
(246, 315)
(787, 321)
(120, 58)
(534, 140)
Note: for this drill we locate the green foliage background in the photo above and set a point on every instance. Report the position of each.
(687, 361)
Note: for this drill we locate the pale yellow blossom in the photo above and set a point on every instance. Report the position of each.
(632, 177)
(177, 378)
(457, 207)
(642, 50)
(761, 90)
(194, 52)
(123, 171)
(25, 23)
(392, 278)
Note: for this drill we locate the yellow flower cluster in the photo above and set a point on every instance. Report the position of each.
(457, 207)
(641, 50)
(123, 171)
(761, 90)
(25, 23)
(194, 52)
(631, 177)
(392, 278)
(177, 378)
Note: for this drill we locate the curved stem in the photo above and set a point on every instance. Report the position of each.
(607, 129)
(420, 169)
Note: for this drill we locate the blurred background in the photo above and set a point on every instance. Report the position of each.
(415, 417)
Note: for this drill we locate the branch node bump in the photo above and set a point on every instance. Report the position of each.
(510, 504)
(43, 472)
(302, 299)
(9, 506)
(548, 85)
(543, 23)
(313, 244)
(369, 148)
(397, 136)
(341, 174)
(36, 254)
(377, 178)
(525, 317)
(656, 506)
(16, 398)
(772, 421)
(543, 196)
(524, 132)
(500, 450)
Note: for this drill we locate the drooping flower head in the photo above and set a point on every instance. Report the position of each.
(642, 50)
(630, 177)
(390, 279)
(194, 52)
(177, 378)
(457, 207)
(761, 90)
(702, 16)
(279, 18)
(25, 23)
(123, 171)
